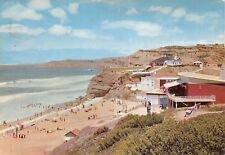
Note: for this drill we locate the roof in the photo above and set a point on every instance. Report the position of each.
(202, 77)
(163, 75)
(74, 132)
(155, 93)
(197, 62)
(162, 59)
(172, 84)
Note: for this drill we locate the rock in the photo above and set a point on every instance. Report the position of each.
(100, 85)
(108, 84)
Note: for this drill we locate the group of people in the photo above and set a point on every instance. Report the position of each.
(21, 136)
(94, 116)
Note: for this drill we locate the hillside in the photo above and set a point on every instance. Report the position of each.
(99, 63)
(156, 134)
(211, 54)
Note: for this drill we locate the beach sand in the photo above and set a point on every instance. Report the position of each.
(39, 142)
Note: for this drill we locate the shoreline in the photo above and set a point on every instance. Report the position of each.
(51, 109)
(24, 105)
(48, 134)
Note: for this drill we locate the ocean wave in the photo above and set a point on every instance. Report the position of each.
(8, 98)
(47, 82)
(75, 89)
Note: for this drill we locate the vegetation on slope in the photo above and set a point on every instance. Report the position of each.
(216, 108)
(202, 135)
(130, 125)
(152, 134)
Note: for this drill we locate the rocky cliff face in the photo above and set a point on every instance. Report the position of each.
(101, 84)
(108, 83)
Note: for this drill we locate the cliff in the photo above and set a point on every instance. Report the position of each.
(109, 83)
(211, 54)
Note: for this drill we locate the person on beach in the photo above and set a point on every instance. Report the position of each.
(4, 123)
(149, 107)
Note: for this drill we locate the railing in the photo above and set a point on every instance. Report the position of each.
(148, 72)
(197, 97)
(210, 98)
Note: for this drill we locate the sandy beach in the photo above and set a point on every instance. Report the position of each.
(46, 135)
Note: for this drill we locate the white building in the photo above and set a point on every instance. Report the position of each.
(198, 63)
(153, 83)
(173, 62)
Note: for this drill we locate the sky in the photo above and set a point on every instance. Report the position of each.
(36, 31)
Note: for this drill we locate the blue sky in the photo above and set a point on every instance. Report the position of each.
(35, 31)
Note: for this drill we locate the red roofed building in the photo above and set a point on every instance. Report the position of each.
(71, 134)
(196, 88)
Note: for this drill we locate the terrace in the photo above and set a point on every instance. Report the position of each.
(190, 99)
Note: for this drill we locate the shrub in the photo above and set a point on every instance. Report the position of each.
(217, 108)
(114, 137)
(202, 135)
(135, 121)
(101, 130)
(129, 125)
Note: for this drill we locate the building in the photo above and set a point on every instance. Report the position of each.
(167, 60)
(198, 63)
(71, 134)
(158, 100)
(193, 88)
(154, 82)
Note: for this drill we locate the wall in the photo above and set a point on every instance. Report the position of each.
(172, 62)
(207, 89)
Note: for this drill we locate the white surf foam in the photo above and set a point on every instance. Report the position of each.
(47, 82)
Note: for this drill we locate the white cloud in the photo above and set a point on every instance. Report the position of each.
(145, 29)
(19, 12)
(178, 13)
(67, 30)
(160, 9)
(39, 4)
(58, 13)
(73, 7)
(84, 33)
(182, 13)
(192, 17)
(20, 29)
(131, 11)
(59, 30)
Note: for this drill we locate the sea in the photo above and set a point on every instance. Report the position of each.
(26, 90)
